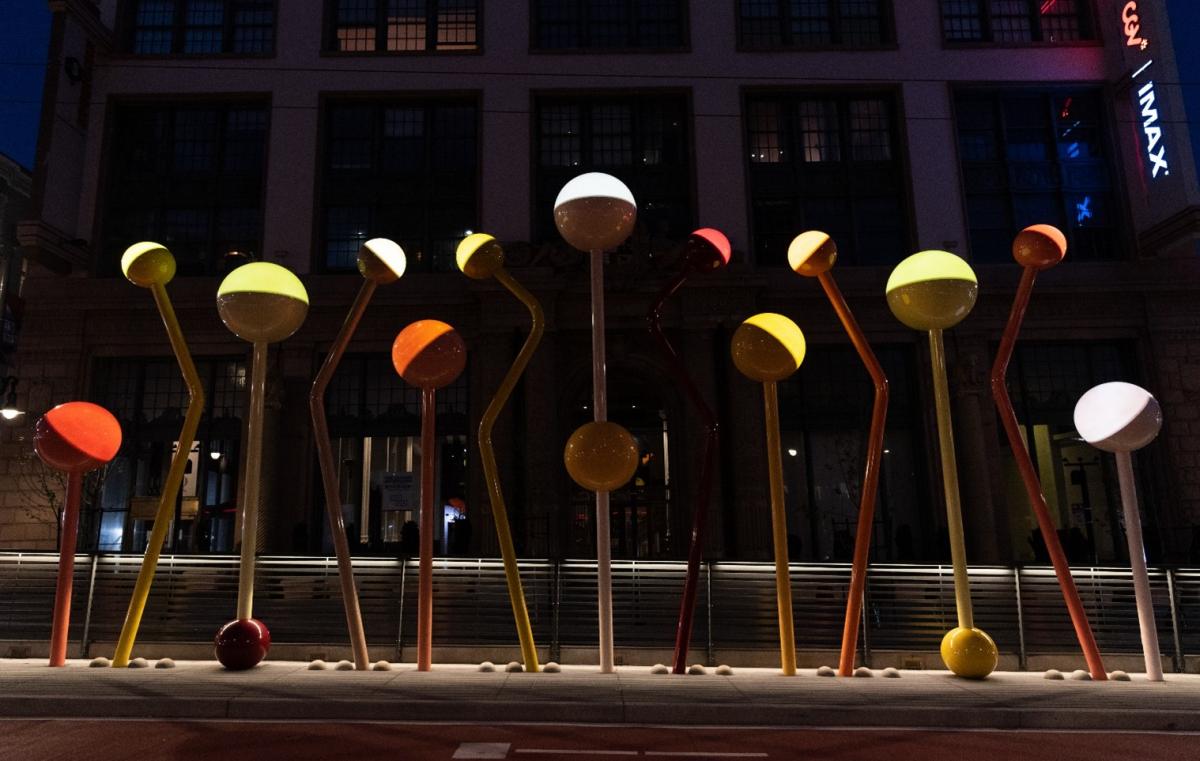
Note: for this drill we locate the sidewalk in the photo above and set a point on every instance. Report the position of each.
(750, 697)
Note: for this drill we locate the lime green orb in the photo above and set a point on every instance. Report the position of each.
(969, 653)
(768, 347)
(148, 264)
(479, 256)
(262, 302)
(601, 456)
(932, 290)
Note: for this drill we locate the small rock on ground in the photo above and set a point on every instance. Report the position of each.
(344, 666)
(1119, 676)
(318, 665)
(1053, 674)
(658, 668)
(514, 667)
(487, 667)
(863, 671)
(551, 668)
(891, 672)
(139, 663)
(724, 670)
(381, 666)
(99, 662)
(697, 669)
(826, 671)
(165, 663)
(1079, 675)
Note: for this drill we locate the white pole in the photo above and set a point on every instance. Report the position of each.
(1137, 561)
(600, 409)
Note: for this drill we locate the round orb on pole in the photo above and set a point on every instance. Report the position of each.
(479, 256)
(429, 354)
(382, 261)
(812, 253)
(706, 250)
(148, 264)
(262, 302)
(932, 290)
(1039, 247)
(595, 212)
(601, 456)
(768, 347)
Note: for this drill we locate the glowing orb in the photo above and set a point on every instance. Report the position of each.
(262, 302)
(812, 253)
(768, 347)
(76, 437)
(595, 211)
(601, 456)
(1039, 247)
(479, 256)
(1118, 417)
(382, 260)
(242, 644)
(969, 653)
(147, 264)
(707, 249)
(932, 290)
(429, 354)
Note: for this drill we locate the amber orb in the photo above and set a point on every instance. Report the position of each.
(601, 456)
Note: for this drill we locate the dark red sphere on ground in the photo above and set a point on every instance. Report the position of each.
(241, 644)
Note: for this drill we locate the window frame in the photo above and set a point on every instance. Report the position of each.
(684, 46)
(329, 33)
(887, 38)
(126, 28)
(1090, 21)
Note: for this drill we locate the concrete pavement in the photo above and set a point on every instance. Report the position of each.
(749, 697)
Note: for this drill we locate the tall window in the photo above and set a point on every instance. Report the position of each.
(1036, 157)
(164, 27)
(403, 169)
(826, 162)
(375, 424)
(402, 26)
(601, 24)
(1016, 21)
(642, 139)
(813, 23)
(189, 175)
(149, 398)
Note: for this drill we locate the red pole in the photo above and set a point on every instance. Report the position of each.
(425, 586)
(66, 570)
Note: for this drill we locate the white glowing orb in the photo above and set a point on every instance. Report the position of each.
(595, 211)
(1118, 417)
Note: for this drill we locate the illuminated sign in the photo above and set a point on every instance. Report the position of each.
(1145, 98)
(1133, 26)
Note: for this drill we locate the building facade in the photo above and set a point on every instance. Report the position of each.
(233, 130)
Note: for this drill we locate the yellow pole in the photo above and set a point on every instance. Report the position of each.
(166, 501)
(783, 584)
(958, 551)
(490, 472)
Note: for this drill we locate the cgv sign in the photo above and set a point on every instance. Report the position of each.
(1146, 99)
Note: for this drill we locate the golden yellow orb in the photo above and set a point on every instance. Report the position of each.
(812, 253)
(479, 256)
(768, 347)
(148, 264)
(382, 260)
(601, 456)
(969, 653)
(262, 302)
(932, 290)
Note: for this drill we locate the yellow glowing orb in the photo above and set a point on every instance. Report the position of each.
(382, 260)
(262, 302)
(932, 290)
(812, 253)
(479, 256)
(148, 264)
(768, 347)
(969, 653)
(601, 456)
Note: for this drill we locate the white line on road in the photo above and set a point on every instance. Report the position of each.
(702, 754)
(559, 751)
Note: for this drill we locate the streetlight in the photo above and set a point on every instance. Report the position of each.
(9, 411)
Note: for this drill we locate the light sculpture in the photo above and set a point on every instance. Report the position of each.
(75, 437)
(1121, 418)
(932, 291)
(380, 262)
(706, 250)
(812, 254)
(1038, 248)
(769, 348)
(428, 354)
(262, 303)
(595, 212)
(480, 257)
(150, 265)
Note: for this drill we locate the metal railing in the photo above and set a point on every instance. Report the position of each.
(907, 607)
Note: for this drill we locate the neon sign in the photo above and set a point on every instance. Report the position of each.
(1146, 99)
(1133, 26)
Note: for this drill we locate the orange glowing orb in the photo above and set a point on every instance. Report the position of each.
(429, 354)
(1039, 246)
(77, 436)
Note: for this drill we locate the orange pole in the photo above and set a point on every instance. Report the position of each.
(1033, 487)
(66, 570)
(425, 585)
(870, 482)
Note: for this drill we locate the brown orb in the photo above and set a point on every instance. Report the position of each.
(1039, 247)
(429, 354)
(812, 253)
(601, 456)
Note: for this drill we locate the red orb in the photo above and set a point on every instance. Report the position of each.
(429, 354)
(77, 436)
(707, 249)
(241, 644)
(1039, 247)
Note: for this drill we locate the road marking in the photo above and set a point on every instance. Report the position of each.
(559, 751)
(702, 754)
(482, 750)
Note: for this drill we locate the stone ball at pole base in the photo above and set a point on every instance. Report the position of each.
(76, 437)
(768, 347)
(812, 253)
(969, 653)
(262, 302)
(1039, 247)
(601, 456)
(242, 644)
(595, 212)
(932, 290)
(1118, 417)
(429, 354)
(147, 264)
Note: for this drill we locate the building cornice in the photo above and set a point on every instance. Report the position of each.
(87, 15)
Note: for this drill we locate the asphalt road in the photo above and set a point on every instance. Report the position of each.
(92, 740)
